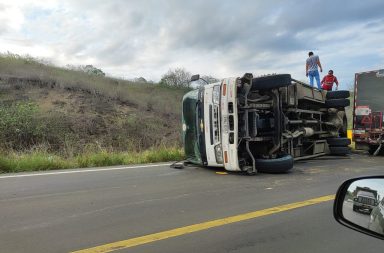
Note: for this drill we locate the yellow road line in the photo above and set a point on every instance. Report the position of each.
(201, 226)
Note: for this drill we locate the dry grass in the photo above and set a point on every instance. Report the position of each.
(143, 95)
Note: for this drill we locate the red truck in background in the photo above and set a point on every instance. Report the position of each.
(368, 109)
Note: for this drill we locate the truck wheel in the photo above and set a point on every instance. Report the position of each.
(339, 150)
(372, 149)
(278, 165)
(338, 94)
(337, 103)
(271, 82)
(354, 208)
(339, 142)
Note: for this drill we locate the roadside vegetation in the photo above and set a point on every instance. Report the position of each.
(39, 160)
(57, 118)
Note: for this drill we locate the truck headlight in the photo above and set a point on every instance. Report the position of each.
(216, 94)
(219, 154)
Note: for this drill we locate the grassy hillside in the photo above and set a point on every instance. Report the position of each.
(69, 113)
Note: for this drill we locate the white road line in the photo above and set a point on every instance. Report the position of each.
(83, 171)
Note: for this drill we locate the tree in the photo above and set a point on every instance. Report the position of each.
(177, 77)
(93, 70)
(89, 69)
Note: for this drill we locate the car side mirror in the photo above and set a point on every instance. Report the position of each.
(359, 205)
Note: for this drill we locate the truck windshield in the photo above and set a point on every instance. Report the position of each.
(366, 194)
(191, 148)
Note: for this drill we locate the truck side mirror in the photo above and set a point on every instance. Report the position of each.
(195, 78)
(359, 205)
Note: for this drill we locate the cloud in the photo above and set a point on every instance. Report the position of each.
(219, 38)
(11, 18)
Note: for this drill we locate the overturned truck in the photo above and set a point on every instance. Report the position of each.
(262, 124)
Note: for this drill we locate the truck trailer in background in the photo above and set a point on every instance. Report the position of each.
(368, 111)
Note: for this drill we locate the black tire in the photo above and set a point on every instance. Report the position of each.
(339, 142)
(337, 103)
(271, 82)
(274, 166)
(372, 149)
(338, 94)
(354, 208)
(339, 150)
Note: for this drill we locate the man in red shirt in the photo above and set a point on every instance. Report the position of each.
(328, 80)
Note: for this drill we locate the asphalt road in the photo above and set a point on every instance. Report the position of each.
(64, 212)
(359, 218)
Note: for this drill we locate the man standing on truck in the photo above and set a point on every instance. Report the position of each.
(328, 80)
(311, 69)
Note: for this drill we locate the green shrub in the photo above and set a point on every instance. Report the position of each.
(19, 127)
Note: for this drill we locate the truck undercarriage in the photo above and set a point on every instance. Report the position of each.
(282, 119)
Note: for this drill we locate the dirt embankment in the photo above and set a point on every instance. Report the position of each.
(71, 118)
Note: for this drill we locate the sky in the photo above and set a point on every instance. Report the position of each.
(129, 38)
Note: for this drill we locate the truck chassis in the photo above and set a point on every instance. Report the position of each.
(282, 119)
